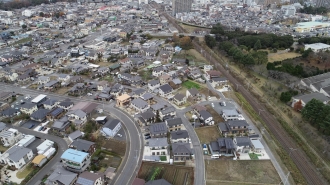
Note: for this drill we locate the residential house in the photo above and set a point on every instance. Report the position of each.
(181, 152)
(180, 136)
(243, 144)
(140, 105)
(78, 117)
(11, 76)
(233, 127)
(194, 74)
(43, 80)
(28, 108)
(102, 85)
(89, 178)
(55, 114)
(17, 156)
(164, 79)
(126, 61)
(179, 99)
(146, 118)
(6, 96)
(64, 79)
(123, 100)
(51, 85)
(39, 115)
(111, 128)
(158, 71)
(158, 146)
(223, 146)
(165, 91)
(75, 79)
(83, 146)
(102, 71)
(61, 124)
(23, 78)
(153, 84)
(231, 114)
(75, 135)
(174, 124)
(78, 89)
(304, 99)
(75, 161)
(10, 112)
(137, 93)
(158, 130)
(50, 103)
(206, 117)
(215, 82)
(10, 136)
(175, 83)
(66, 105)
(148, 97)
(212, 74)
(61, 176)
(193, 93)
(116, 89)
(167, 113)
(158, 182)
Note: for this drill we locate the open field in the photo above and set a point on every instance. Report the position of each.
(62, 90)
(104, 64)
(22, 174)
(191, 55)
(282, 56)
(118, 147)
(207, 134)
(216, 116)
(174, 174)
(3, 149)
(244, 172)
(190, 84)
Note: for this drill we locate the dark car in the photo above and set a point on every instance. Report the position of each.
(22, 102)
(31, 126)
(147, 137)
(45, 128)
(40, 129)
(147, 134)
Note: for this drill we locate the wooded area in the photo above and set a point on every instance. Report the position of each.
(17, 4)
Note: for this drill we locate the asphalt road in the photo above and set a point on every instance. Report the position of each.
(133, 158)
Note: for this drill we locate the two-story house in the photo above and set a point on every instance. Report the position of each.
(165, 91)
(61, 176)
(233, 127)
(140, 105)
(17, 156)
(111, 128)
(158, 146)
(39, 115)
(75, 161)
(193, 93)
(158, 130)
(146, 118)
(164, 79)
(153, 84)
(50, 103)
(181, 152)
(28, 108)
(91, 178)
(179, 99)
(43, 80)
(167, 113)
(10, 136)
(180, 136)
(206, 117)
(158, 71)
(223, 146)
(174, 124)
(78, 117)
(231, 114)
(243, 144)
(83, 146)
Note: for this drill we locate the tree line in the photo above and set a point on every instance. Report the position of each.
(314, 10)
(312, 40)
(318, 114)
(17, 4)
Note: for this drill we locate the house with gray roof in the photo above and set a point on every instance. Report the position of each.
(17, 156)
(206, 117)
(158, 182)
(179, 99)
(158, 146)
(174, 124)
(242, 144)
(78, 117)
(146, 118)
(111, 128)
(158, 130)
(308, 97)
(181, 152)
(180, 136)
(223, 146)
(28, 108)
(61, 176)
(165, 91)
(140, 105)
(88, 178)
(153, 84)
(83, 146)
(75, 135)
(10, 112)
(233, 127)
(193, 93)
(39, 115)
(167, 113)
(50, 103)
(137, 93)
(61, 124)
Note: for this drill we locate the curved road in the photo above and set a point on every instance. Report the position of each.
(133, 157)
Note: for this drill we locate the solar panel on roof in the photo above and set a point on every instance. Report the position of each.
(84, 181)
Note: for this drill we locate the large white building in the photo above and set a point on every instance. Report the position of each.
(10, 137)
(317, 47)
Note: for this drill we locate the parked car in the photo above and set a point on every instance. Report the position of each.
(147, 134)
(89, 94)
(31, 126)
(222, 104)
(40, 129)
(119, 135)
(45, 128)
(147, 137)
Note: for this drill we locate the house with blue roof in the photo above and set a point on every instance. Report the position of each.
(75, 161)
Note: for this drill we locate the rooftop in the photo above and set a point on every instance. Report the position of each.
(74, 155)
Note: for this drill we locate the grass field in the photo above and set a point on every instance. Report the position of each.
(174, 174)
(191, 55)
(22, 174)
(272, 57)
(207, 134)
(241, 172)
(190, 84)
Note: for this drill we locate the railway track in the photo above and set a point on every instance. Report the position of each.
(298, 156)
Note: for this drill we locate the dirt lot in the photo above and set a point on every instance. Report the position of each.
(115, 146)
(216, 117)
(272, 57)
(192, 55)
(174, 174)
(191, 29)
(241, 172)
(207, 134)
(62, 90)
(104, 64)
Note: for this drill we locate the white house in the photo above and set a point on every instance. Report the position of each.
(75, 160)
(111, 128)
(17, 156)
(10, 137)
(153, 84)
(43, 80)
(27, 13)
(165, 91)
(231, 114)
(156, 147)
(206, 117)
(29, 108)
(44, 146)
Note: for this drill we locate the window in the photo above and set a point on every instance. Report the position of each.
(153, 153)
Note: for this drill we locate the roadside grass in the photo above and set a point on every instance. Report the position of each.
(22, 174)
(190, 84)
(272, 57)
(207, 134)
(3, 149)
(241, 172)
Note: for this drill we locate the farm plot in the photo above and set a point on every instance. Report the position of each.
(176, 175)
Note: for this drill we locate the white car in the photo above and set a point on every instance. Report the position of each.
(119, 135)
(89, 94)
